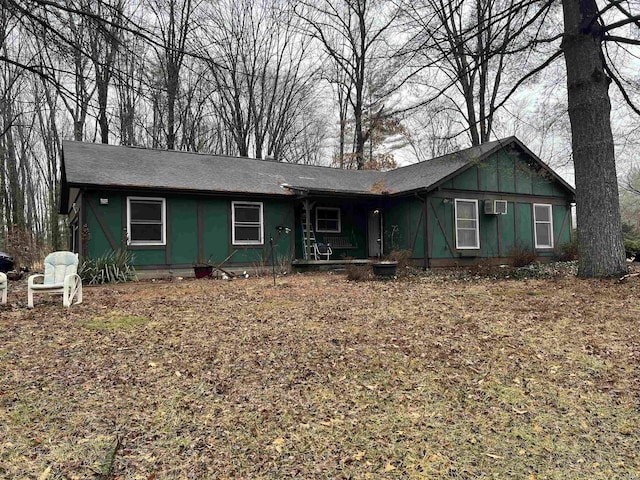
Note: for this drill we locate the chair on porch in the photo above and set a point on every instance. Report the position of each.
(3, 288)
(321, 250)
(60, 277)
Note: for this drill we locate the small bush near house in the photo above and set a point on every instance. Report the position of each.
(113, 267)
(403, 258)
(522, 256)
(358, 273)
(568, 251)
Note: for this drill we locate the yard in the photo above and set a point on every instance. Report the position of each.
(435, 376)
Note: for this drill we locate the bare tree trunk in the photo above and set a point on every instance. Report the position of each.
(129, 72)
(599, 230)
(175, 27)
(104, 40)
(349, 34)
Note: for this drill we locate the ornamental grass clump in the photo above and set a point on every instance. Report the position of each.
(112, 267)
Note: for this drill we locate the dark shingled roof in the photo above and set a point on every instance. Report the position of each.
(110, 166)
(99, 165)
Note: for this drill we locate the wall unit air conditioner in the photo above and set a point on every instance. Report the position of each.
(495, 207)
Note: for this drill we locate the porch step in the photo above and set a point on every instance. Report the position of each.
(336, 266)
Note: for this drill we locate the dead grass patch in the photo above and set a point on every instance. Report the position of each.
(320, 377)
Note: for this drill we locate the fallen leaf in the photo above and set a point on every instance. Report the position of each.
(278, 443)
(491, 455)
(44, 475)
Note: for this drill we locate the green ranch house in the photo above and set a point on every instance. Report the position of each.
(173, 209)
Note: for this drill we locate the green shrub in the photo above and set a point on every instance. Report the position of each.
(632, 248)
(403, 258)
(112, 267)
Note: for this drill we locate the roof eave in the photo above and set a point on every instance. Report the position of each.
(107, 186)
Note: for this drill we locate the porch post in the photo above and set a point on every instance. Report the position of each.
(307, 228)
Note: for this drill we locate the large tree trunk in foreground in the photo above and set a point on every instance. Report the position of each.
(601, 248)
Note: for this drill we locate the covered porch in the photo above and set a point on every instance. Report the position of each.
(332, 232)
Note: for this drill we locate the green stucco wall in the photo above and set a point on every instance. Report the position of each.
(504, 175)
(404, 227)
(197, 229)
(507, 172)
(499, 234)
(182, 230)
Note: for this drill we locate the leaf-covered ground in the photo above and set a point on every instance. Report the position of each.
(319, 377)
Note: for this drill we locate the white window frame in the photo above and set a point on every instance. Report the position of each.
(162, 241)
(477, 220)
(545, 222)
(332, 209)
(233, 224)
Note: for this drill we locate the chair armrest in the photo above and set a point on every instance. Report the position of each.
(3, 277)
(32, 279)
(70, 279)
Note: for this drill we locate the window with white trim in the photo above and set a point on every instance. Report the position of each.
(247, 223)
(146, 221)
(467, 228)
(543, 225)
(328, 220)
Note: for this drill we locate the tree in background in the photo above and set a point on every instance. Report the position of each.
(173, 22)
(262, 77)
(471, 44)
(353, 34)
(105, 35)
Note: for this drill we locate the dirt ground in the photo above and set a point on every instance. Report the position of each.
(430, 376)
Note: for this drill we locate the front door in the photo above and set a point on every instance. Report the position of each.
(374, 233)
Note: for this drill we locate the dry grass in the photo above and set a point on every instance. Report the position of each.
(323, 378)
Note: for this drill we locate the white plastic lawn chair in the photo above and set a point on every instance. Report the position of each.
(321, 250)
(3, 288)
(60, 277)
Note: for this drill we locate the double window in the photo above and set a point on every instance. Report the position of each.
(467, 228)
(146, 220)
(543, 225)
(328, 220)
(247, 223)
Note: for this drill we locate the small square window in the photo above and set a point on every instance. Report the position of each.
(247, 220)
(146, 220)
(328, 220)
